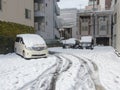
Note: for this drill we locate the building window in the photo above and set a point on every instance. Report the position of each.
(0, 4)
(46, 4)
(27, 14)
(84, 28)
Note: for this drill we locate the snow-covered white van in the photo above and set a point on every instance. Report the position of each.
(30, 46)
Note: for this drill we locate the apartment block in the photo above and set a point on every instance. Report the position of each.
(17, 11)
(46, 22)
(96, 24)
(99, 5)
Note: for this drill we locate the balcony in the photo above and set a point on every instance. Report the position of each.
(39, 10)
(39, 14)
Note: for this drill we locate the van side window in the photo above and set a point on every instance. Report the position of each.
(17, 39)
(21, 41)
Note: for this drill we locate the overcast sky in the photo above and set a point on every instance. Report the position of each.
(73, 4)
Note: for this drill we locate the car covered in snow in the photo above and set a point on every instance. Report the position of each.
(30, 46)
(86, 42)
(69, 43)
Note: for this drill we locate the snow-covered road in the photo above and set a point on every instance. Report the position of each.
(68, 69)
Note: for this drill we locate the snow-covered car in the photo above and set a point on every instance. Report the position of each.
(69, 43)
(86, 42)
(30, 46)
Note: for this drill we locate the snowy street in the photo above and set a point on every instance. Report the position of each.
(66, 69)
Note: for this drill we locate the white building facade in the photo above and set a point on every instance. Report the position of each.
(46, 22)
(68, 18)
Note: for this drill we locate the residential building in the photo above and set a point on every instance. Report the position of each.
(99, 5)
(116, 24)
(92, 4)
(68, 18)
(17, 11)
(46, 22)
(96, 24)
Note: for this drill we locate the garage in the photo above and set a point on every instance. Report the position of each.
(102, 41)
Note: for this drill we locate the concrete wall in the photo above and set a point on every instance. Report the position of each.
(116, 26)
(14, 11)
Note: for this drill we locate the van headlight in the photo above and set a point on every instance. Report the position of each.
(29, 48)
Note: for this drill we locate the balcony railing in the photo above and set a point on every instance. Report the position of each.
(39, 10)
(39, 13)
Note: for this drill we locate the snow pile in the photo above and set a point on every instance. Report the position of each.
(32, 39)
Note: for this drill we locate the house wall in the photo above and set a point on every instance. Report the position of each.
(14, 11)
(116, 24)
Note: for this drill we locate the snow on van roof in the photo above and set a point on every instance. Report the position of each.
(86, 39)
(69, 41)
(32, 39)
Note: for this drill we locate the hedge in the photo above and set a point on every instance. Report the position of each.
(8, 32)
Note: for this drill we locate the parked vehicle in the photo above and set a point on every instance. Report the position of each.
(86, 42)
(30, 46)
(69, 43)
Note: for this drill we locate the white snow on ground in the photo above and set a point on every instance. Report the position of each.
(107, 61)
(16, 71)
(97, 68)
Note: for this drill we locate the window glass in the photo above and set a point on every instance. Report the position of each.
(17, 39)
(27, 14)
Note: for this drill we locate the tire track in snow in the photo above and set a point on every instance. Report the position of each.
(94, 74)
(32, 85)
(62, 68)
(47, 80)
(83, 75)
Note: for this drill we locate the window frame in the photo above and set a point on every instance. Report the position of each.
(27, 14)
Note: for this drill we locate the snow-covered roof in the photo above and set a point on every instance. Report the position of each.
(32, 39)
(69, 41)
(86, 39)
